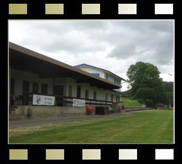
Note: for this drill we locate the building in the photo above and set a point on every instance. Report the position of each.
(32, 74)
(103, 73)
(100, 72)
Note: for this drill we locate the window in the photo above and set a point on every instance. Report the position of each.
(107, 77)
(25, 86)
(44, 88)
(96, 74)
(95, 95)
(78, 91)
(86, 94)
(70, 91)
(116, 81)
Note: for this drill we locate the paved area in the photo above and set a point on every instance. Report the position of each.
(44, 121)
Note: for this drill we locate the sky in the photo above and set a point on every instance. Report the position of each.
(109, 44)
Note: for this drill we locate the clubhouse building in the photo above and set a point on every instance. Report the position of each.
(38, 80)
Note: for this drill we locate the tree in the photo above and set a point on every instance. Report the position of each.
(168, 87)
(144, 79)
(169, 98)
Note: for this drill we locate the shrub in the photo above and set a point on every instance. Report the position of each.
(141, 101)
(145, 93)
(149, 103)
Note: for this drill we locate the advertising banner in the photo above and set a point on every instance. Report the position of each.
(79, 102)
(43, 100)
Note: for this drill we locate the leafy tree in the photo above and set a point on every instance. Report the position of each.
(144, 79)
(168, 87)
(169, 96)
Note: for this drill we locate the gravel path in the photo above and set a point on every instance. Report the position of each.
(44, 121)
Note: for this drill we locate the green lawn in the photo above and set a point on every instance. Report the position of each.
(154, 126)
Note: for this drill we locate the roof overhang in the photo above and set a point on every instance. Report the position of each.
(27, 60)
(117, 91)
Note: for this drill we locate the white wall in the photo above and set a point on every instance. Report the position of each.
(103, 74)
(92, 70)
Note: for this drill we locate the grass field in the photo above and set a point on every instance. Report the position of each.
(152, 126)
(130, 103)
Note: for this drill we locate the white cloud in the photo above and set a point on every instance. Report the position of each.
(110, 44)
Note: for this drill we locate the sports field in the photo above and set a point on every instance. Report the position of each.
(151, 126)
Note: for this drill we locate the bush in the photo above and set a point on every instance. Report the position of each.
(144, 94)
(141, 101)
(149, 103)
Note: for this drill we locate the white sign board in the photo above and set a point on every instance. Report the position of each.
(43, 100)
(79, 102)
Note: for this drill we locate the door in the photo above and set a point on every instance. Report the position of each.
(25, 86)
(58, 91)
(44, 89)
(78, 91)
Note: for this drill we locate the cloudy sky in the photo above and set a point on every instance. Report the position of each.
(110, 44)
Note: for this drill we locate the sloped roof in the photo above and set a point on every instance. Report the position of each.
(28, 60)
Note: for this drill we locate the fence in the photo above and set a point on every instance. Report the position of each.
(27, 99)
